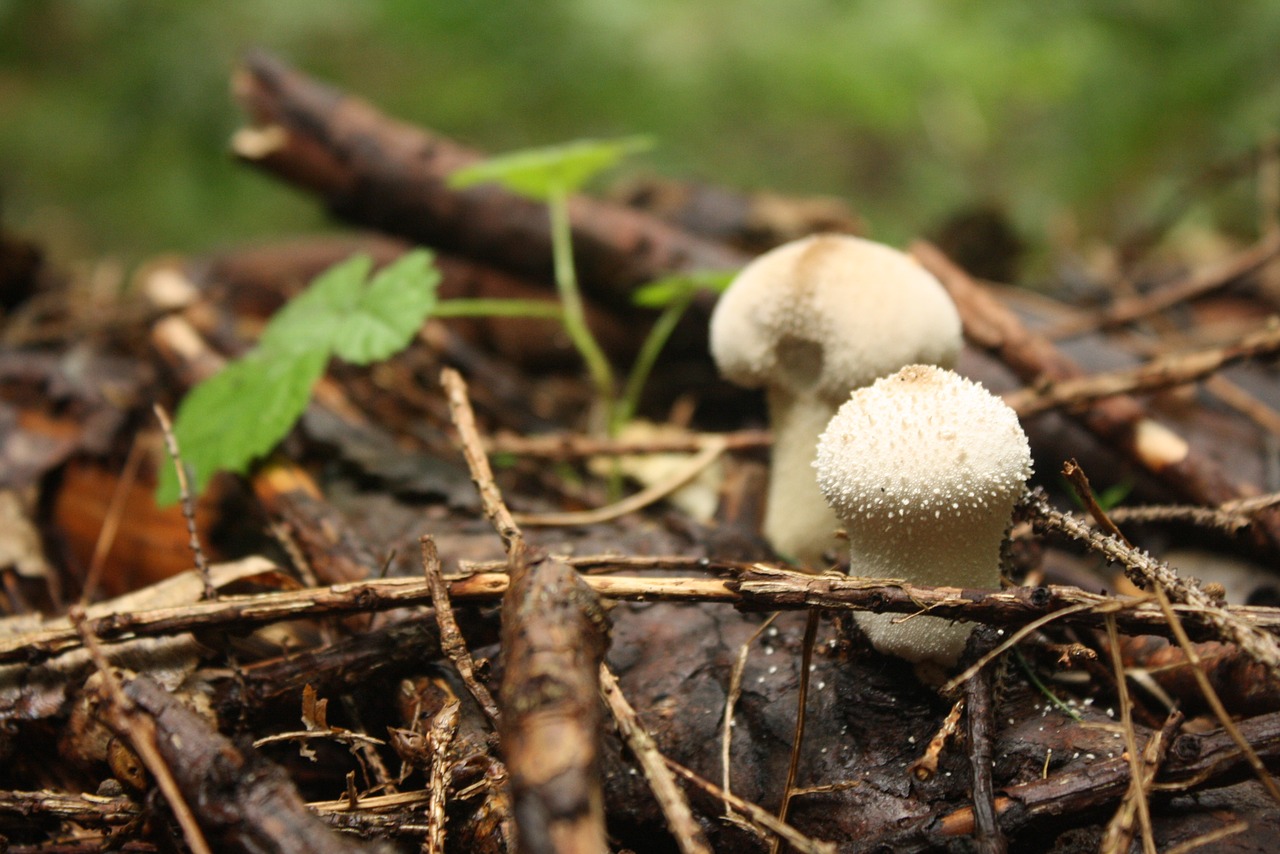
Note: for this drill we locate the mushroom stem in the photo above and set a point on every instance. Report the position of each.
(961, 551)
(798, 521)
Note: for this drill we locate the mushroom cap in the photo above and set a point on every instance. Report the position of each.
(919, 446)
(828, 313)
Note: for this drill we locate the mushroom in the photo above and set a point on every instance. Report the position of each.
(810, 321)
(924, 467)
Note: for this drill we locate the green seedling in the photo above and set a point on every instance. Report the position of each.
(550, 175)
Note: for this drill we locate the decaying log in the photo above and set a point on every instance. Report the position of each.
(378, 172)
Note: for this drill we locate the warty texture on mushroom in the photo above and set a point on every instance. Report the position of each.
(810, 321)
(924, 467)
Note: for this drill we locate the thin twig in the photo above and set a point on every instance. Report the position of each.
(1146, 571)
(675, 806)
(1119, 834)
(184, 493)
(766, 820)
(451, 640)
(570, 446)
(731, 700)
(111, 521)
(1208, 838)
(802, 697)
(926, 767)
(464, 419)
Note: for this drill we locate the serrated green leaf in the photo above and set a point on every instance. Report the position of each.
(312, 319)
(386, 315)
(240, 413)
(538, 173)
(661, 293)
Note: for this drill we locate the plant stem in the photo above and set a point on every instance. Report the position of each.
(647, 357)
(575, 319)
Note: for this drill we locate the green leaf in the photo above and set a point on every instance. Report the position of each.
(539, 173)
(240, 413)
(663, 292)
(384, 317)
(312, 319)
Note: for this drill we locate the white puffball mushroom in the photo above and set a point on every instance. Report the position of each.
(810, 321)
(924, 467)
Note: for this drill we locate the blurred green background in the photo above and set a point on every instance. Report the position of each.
(1088, 116)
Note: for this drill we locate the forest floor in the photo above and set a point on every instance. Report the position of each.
(428, 620)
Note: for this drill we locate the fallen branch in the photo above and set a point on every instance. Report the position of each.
(762, 587)
(378, 172)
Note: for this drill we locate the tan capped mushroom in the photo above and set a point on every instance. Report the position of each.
(810, 321)
(924, 467)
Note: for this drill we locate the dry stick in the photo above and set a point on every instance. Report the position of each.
(802, 697)
(188, 506)
(766, 588)
(712, 448)
(1195, 285)
(141, 732)
(731, 700)
(675, 806)
(1159, 373)
(1119, 835)
(464, 419)
(1120, 422)
(443, 728)
(1209, 838)
(451, 640)
(762, 817)
(572, 446)
(1079, 482)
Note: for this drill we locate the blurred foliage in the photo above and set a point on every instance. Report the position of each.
(114, 114)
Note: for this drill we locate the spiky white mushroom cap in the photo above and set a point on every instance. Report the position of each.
(828, 313)
(924, 467)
